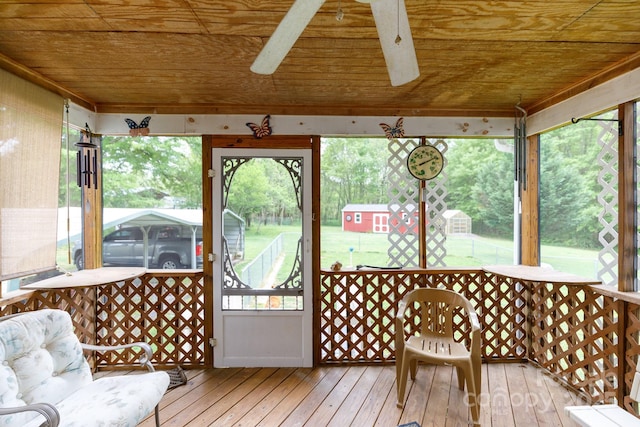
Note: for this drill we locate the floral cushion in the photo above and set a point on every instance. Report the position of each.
(41, 360)
(121, 401)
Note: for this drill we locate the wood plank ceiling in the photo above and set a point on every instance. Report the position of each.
(193, 56)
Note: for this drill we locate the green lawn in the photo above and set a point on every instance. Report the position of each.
(352, 249)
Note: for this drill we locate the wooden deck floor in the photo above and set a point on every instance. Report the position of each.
(514, 394)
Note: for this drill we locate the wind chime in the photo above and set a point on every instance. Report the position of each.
(87, 159)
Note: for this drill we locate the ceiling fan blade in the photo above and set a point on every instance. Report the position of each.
(391, 20)
(285, 35)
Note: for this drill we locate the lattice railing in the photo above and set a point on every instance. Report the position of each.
(572, 331)
(164, 309)
(576, 337)
(588, 337)
(78, 302)
(358, 310)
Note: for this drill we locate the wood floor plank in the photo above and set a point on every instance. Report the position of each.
(286, 406)
(458, 413)
(518, 396)
(312, 401)
(274, 397)
(437, 405)
(414, 405)
(390, 413)
(251, 400)
(561, 397)
(353, 402)
(337, 397)
(216, 410)
(501, 411)
(513, 395)
(192, 391)
(382, 390)
(195, 377)
(540, 397)
(209, 398)
(485, 398)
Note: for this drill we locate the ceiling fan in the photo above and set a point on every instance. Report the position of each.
(392, 24)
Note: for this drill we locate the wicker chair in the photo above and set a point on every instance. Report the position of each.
(435, 344)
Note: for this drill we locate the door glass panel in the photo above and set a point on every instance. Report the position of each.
(262, 233)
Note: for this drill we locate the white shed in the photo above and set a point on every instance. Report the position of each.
(457, 222)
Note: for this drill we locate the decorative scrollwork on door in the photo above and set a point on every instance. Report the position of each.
(294, 167)
(259, 285)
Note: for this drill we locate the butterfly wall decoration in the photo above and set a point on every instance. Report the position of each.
(392, 132)
(141, 129)
(264, 129)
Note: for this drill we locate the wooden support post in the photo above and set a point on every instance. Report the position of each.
(92, 206)
(627, 184)
(623, 364)
(207, 246)
(529, 228)
(315, 233)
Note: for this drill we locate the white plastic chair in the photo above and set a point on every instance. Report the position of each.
(435, 343)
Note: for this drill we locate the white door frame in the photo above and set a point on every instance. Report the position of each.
(262, 338)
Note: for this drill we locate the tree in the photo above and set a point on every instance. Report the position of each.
(492, 193)
(248, 190)
(184, 180)
(481, 185)
(563, 199)
(354, 170)
(152, 172)
(161, 171)
(569, 158)
(281, 193)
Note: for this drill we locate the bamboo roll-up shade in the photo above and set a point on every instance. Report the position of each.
(30, 141)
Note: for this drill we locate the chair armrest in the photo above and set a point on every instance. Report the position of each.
(473, 319)
(399, 335)
(47, 410)
(476, 330)
(145, 359)
(402, 307)
(472, 314)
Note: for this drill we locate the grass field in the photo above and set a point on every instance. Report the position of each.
(352, 249)
(462, 251)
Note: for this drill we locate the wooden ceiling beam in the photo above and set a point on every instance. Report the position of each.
(28, 74)
(294, 110)
(625, 66)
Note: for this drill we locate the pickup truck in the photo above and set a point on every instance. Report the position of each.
(169, 247)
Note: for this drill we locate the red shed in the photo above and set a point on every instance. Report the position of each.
(365, 218)
(371, 218)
